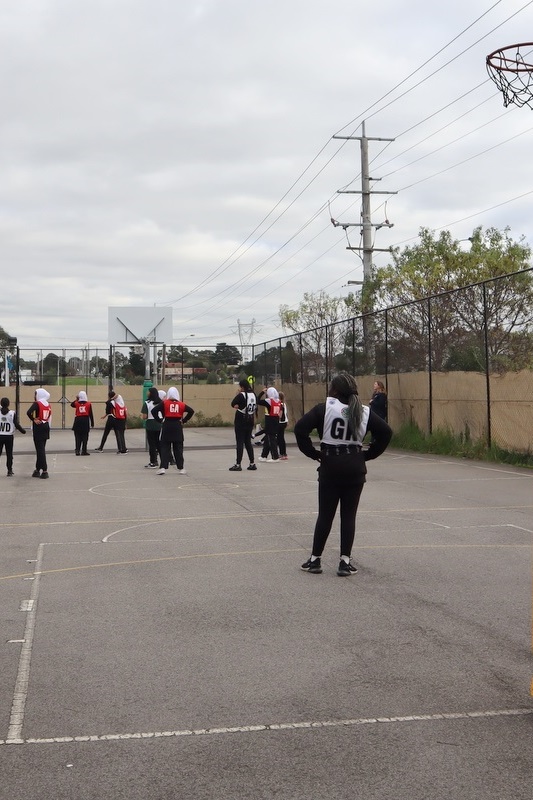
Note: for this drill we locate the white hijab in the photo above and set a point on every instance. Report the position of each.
(173, 394)
(118, 400)
(272, 393)
(82, 397)
(42, 396)
(162, 394)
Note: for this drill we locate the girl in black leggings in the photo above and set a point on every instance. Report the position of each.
(342, 423)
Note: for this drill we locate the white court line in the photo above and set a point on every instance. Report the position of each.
(280, 726)
(129, 528)
(370, 512)
(20, 695)
(519, 528)
(436, 461)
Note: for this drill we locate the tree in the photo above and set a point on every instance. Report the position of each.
(136, 363)
(226, 354)
(439, 266)
(175, 354)
(54, 365)
(4, 339)
(99, 366)
(321, 324)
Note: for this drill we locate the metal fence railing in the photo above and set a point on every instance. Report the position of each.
(461, 361)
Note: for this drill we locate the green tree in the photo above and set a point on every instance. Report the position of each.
(4, 339)
(322, 326)
(226, 354)
(440, 266)
(136, 363)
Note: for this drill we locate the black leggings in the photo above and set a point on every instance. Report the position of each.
(8, 442)
(109, 426)
(174, 447)
(120, 427)
(340, 480)
(154, 445)
(243, 438)
(270, 442)
(40, 453)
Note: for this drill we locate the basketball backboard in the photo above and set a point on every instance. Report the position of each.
(139, 324)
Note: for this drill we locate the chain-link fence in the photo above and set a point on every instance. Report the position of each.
(460, 361)
(65, 371)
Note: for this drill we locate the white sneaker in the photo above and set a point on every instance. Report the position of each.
(160, 471)
(182, 471)
(263, 459)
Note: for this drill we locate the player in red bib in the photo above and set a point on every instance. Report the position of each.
(40, 413)
(83, 422)
(174, 414)
(272, 404)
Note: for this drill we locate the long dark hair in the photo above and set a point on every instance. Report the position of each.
(344, 387)
(153, 395)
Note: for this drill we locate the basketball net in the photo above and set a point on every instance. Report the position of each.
(512, 74)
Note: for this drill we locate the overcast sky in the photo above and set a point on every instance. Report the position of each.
(181, 153)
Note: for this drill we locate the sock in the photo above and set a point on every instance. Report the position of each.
(346, 559)
(315, 558)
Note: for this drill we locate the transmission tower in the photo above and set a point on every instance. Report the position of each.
(246, 332)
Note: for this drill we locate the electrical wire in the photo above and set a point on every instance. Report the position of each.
(236, 254)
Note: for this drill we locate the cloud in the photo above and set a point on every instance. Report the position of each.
(144, 146)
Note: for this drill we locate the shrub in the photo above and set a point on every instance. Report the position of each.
(443, 442)
(135, 421)
(201, 421)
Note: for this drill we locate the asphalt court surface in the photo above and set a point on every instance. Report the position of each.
(159, 639)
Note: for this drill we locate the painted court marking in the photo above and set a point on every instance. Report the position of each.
(29, 606)
(278, 726)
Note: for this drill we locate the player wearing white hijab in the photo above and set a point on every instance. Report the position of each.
(83, 422)
(174, 414)
(121, 414)
(40, 413)
(273, 410)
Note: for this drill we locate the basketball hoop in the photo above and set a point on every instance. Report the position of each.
(512, 74)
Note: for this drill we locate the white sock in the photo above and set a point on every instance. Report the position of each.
(315, 558)
(346, 559)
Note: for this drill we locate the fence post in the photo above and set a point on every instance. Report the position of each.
(302, 372)
(487, 365)
(430, 373)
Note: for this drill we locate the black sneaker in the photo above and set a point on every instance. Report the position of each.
(150, 466)
(312, 566)
(345, 569)
(36, 473)
(98, 449)
(252, 466)
(235, 468)
(10, 473)
(44, 474)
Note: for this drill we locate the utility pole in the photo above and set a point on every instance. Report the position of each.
(365, 225)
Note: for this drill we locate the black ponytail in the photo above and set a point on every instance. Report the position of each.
(345, 387)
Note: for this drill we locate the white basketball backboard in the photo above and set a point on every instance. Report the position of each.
(137, 325)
